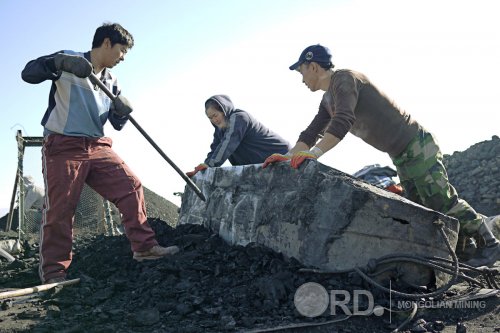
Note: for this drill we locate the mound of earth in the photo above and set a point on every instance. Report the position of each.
(475, 174)
(160, 208)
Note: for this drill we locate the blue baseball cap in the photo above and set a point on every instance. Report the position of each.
(316, 53)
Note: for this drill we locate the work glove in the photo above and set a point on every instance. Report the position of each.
(301, 156)
(200, 167)
(274, 158)
(77, 65)
(121, 106)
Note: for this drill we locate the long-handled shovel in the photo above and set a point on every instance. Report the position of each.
(36, 289)
(95, 80)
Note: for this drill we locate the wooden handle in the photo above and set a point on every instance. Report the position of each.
(36, 289)
(7, 255)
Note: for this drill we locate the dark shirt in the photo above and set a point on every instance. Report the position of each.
(244, 141)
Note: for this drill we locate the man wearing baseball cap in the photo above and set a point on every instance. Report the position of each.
(352, 103)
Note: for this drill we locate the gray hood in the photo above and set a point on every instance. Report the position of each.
(225, 103)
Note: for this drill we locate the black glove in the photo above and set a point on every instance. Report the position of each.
(121, 106)
(77, 65)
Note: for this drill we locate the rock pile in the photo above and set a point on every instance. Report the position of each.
(475, 173)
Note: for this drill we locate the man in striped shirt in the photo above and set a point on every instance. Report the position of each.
(75, 150)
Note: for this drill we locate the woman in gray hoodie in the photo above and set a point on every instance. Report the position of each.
(238, 137)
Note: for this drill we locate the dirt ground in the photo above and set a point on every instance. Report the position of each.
(208, 287)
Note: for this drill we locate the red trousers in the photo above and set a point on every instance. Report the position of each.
(69, 163)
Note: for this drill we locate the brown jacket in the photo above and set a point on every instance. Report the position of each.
(353, 104)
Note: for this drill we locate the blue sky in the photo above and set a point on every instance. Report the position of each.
(437, 59)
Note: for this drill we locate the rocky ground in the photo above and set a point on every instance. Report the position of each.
(213, 287)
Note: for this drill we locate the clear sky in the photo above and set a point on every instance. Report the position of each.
(439, 60)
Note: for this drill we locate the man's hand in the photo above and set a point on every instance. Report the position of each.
(301, 156)
(274, 158)
(200, 167)
(77, 65)
(121, 106)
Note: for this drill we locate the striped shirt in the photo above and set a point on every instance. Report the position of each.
(76, 107)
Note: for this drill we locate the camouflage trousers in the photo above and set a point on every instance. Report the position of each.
(425, 181)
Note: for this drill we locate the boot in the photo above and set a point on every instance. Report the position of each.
(489, 254)
(156, 252)
(466, 248)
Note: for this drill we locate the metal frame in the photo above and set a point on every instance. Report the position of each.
(22, 143)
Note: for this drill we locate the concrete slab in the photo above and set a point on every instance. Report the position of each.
(319, 215)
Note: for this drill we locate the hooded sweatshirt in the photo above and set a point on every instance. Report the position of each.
(244, 140)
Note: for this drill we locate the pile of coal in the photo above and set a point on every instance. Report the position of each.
(209, 286)
(475, 174)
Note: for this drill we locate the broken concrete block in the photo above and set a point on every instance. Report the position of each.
(321, 216)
